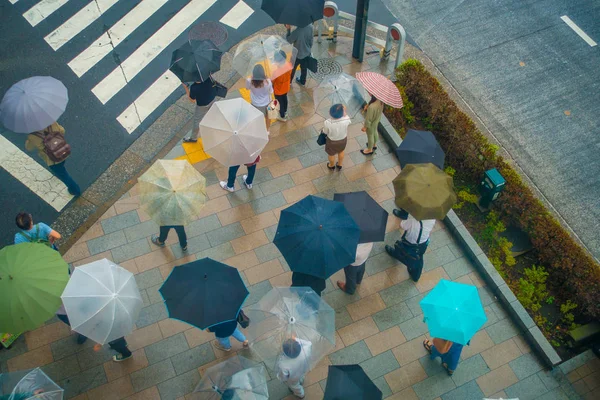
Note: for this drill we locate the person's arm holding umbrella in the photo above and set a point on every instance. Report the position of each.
(290, 36)
(187, 91)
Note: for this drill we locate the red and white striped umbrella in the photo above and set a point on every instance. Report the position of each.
(381, 87)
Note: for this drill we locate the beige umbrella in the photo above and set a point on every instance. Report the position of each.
(172, 192)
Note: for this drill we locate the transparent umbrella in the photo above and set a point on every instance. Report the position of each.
(235, 378)
(294, 314)
(274, 53)
(29, 384)
(339, 89)
(172, 192)
(234, 132)
(102, 301)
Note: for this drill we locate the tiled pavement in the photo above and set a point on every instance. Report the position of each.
(380, 327)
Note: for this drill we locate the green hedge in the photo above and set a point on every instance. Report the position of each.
(469, 152)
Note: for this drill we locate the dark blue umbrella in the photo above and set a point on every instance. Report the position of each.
(204, 293)
(349, 382)
(294, 12)
(420, 147)
(317, 236)
(370, 217)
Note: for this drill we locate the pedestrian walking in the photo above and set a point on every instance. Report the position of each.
(372, 116)
(54, 150)
(317, 284)
(302, 39)
(201, 93)
(164, 232)
(281, 84)
(248, 178)
(354, 272)
(293, 364)
(410, 249)
(336, 129)
(224, 331)
(120, 346)
(260, 89)
(448, 351)
(38, 233)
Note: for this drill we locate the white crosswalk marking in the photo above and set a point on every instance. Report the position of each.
(237, 15)
(13, 1)
(37, 178)
(42, 10)
(115, 35)
(151, 48)
(78, 22)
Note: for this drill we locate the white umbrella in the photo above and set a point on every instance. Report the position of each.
(339, 89)
(102, 301)
(29, 384)
(266, 51)
(33, 104)
(234, 132)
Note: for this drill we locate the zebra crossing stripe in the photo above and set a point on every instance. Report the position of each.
(42, 10)
(115, 35)
(13, 1)
(78, 22)
(150, 49)
(237, 15)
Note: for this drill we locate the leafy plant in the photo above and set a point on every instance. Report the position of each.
(567, 316)
(532, 287)
(450, 171)
(550, 300)
(464, 196)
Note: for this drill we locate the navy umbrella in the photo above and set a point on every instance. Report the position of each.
(370, 217)
(348, 382)
(204, 293)
(194, 62)
(294, 12)
(317, 236)
(420, 147)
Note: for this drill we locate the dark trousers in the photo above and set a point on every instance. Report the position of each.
(120, 346)
(303, 63)
(65, 319)
(233, 172)
(283, 104)
(354, 276)
(164, 232)
(413, 259)
(60, 171)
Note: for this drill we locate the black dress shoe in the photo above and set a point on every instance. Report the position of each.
(400, 213)
(299, 82)
(389, 250)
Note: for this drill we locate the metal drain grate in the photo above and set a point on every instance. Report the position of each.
(326, 67)
(209, 30)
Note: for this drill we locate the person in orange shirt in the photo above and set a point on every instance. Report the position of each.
(281, 84)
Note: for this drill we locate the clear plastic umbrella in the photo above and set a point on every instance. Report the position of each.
(172, 192)
(33, 104)
(234, 378)
(266, 51)
(102, 301)
(291, 314)
(339, 89)
(30, 384)
(234, 132)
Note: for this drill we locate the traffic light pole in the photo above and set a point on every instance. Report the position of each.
(360, 29)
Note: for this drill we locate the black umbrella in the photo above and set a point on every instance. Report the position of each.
(349, 382)
(195, 61)
(294, 12)
(204, 293)
(370, 217)
(420, 147)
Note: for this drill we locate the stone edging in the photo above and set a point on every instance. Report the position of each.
(499, 287)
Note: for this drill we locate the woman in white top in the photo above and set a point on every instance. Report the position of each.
(336, 129)
(260, 89)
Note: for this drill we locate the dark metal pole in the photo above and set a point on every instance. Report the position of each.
(360, 29)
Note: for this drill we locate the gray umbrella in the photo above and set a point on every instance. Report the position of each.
(33, 104)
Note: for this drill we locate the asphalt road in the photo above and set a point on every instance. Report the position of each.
(533, 81)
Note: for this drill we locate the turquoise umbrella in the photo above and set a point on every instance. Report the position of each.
(453, 311)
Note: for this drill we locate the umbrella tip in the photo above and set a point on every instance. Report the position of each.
(205, 276)
(235, 132)
(320, 226)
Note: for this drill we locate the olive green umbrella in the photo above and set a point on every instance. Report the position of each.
(425, 191)
(32, 278)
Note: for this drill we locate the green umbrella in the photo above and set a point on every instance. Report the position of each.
(32, 278)
(424, 191)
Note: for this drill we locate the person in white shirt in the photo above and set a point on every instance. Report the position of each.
(293, 364)
(336, 129)
(355, 271)
(261, 90)
(410, 249)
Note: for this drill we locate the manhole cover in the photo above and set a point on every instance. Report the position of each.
(209, 30)
(326, 67)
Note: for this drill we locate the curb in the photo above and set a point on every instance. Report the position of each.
(497, 284)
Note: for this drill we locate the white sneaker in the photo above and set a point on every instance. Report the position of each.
(249, 186)
(224, 186)
(285, 119)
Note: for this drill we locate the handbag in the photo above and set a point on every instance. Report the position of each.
(220, 89)
(273, 109)
(243, 319)
(322, 139)
(312, 64)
